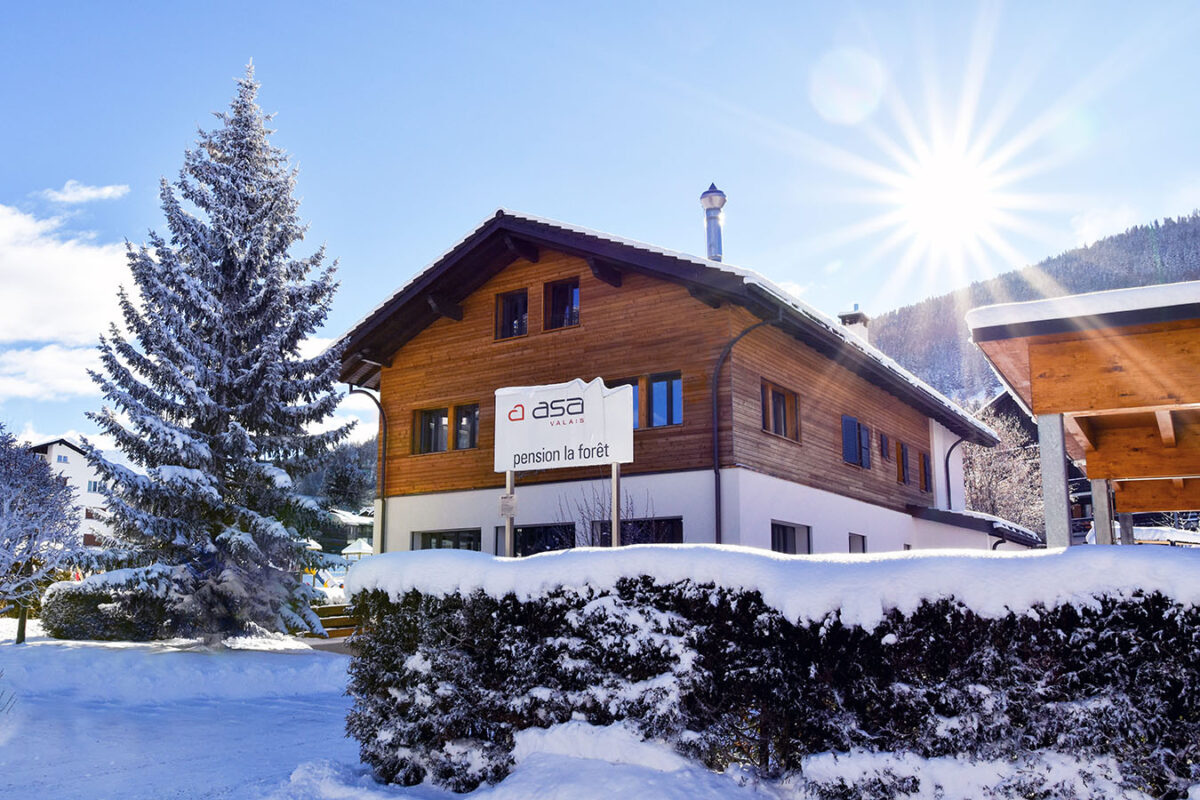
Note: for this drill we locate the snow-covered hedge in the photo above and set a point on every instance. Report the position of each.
(121, 605)
(1030, 661)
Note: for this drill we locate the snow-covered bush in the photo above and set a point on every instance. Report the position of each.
(768, 662)
(122, 605)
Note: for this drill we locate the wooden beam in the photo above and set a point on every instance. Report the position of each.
(374, 359)
(706, 297)
(521, 248)
(605, 272)
(1166, 427)
(1083, 429)
(1137, 497)
(1177, 483)
(1107, 372)
(1140, 453)
(441, 305)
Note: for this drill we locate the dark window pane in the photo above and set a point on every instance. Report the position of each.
(926, 473)
(885, 447)
(902, 471)
(533, 539)
(766, 408)
(779, 413)
(858, 543)
(466, 427)
(864, 441)
(666, 400)
(512, 313)
(634, 383)
(783, 538)
(465, 539)
(659, 530)
(433, 427)
(562, 304)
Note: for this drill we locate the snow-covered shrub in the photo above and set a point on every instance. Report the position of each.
(1066, 693)
(123, 606)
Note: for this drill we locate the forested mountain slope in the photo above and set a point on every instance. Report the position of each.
(931, 339)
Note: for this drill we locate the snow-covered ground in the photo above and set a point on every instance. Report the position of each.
(177, 720)
(264, 718)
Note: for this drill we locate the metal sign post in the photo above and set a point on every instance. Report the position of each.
(616, 504)
(509, 510)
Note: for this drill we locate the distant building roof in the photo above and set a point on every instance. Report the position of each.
(44, 447)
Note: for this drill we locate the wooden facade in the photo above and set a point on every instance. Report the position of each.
(642, 312)
(644, 327)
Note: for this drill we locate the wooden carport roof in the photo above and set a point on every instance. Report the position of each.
(1123, 368)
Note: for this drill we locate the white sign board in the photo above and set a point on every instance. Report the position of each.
(572, 424)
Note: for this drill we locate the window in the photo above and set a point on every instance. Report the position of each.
(656, 530)
(432, 427)
(666, 399)
(885, 447)
(926, 473)
(908, 547)
(635, 383)
(61, 459)
(93, 486)
(463, 539)
(858, 543)
(561, 304)
(466, 427)
(856, 442)
(512, 314)
(791, 538)
(903, 475)
(780, 411)
(529, 540)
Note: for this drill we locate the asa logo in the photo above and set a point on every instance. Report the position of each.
(568, 407)
(518, 413)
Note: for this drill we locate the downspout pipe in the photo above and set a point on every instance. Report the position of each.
(716, 420)
(949, 493)
(382, 485)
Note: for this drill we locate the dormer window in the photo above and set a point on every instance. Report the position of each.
(512, 314)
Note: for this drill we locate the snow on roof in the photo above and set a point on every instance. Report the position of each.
(1001, 522)
(350, 518)
(862, 588)
(1092, 304)
(750, 277)
(359, 547)
(1154, 534)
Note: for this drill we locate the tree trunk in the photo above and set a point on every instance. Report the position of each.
(22, 614)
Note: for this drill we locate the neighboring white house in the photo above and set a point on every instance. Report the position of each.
(67, 458)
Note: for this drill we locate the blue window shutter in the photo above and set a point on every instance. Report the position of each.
(850, 449)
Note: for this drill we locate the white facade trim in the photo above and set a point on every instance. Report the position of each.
(751, 502)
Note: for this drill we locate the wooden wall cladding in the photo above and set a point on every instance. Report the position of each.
(826, 391)
(645, 326)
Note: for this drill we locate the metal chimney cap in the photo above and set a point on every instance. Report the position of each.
(712, 197)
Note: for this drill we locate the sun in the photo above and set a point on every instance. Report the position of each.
(949, 203)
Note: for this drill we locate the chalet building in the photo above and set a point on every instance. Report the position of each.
(68, 460)
(759, 420)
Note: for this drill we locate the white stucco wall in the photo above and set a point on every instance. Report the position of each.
(751, 502)
(942, 439)
(762, 500)
(677, 494)
(78, 474)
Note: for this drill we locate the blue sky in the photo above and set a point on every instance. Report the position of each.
(872, 153)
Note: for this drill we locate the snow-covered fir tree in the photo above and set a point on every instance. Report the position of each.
(207, 391)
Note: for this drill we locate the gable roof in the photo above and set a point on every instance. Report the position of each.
(44, 447)
(508, 235)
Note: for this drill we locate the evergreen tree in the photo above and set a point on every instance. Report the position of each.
(349, 477)
(208, 393)
(38, 527)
